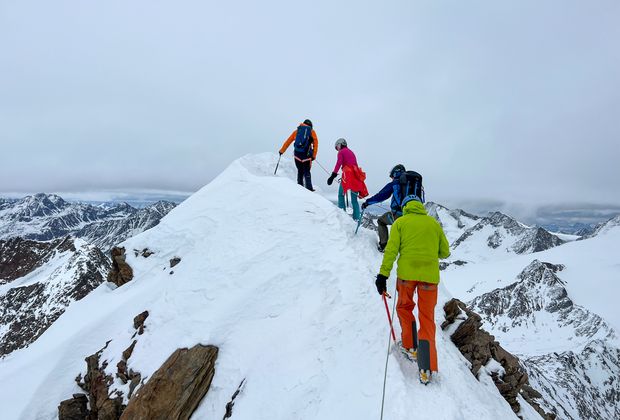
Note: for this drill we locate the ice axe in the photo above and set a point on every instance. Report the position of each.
(278, 164)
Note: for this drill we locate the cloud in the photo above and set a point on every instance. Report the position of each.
(504, 101)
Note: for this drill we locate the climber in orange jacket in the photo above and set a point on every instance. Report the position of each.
(306, 147)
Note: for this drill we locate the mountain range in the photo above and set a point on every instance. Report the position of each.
(302, 327)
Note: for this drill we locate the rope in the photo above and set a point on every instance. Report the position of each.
(387, 357)
(321, 166)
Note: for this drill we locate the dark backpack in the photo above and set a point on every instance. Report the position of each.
(303, 140)
(410, 187)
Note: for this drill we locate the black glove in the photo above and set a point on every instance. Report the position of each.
(364, 205)
(280, 153)
(380, 283)
(330, 180)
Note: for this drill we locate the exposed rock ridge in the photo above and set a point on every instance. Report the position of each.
(479, 348)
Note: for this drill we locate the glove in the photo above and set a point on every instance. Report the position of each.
(312, 158)
(280, 153)
(364, 205)
(330, 180)
(380, 283)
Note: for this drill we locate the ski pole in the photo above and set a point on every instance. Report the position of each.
(359, 221)
(386, 294)
(278, 164)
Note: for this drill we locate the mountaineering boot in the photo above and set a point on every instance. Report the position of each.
(425, 376)
(424, 361)
(410, 354)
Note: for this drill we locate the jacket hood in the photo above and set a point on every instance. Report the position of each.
(414, 207)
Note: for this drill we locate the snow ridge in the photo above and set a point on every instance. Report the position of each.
(284, 289)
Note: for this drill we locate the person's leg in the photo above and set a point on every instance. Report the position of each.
(341, 198)
(404, 309)
(300, 172)
(427, 352)
(307, 176)
(355, 205)
(382, 224)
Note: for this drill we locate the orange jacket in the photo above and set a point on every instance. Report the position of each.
(291, 138)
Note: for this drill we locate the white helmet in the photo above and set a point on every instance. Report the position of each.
(340, 142)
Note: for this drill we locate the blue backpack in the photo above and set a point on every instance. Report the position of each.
(303, 140)
(411, 188)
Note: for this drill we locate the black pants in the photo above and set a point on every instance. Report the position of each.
(303, 172)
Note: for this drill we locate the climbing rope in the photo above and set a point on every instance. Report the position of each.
(321, 166)
(387, 357)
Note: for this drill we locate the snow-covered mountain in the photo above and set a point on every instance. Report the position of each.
(498, 236)
(285, 291)
(601, 228)
(558, 313)
(44, 217)
(39, 280)
(454, 222)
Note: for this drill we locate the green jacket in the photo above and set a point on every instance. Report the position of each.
(420, 241)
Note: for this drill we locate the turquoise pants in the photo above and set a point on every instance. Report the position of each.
(354, 204)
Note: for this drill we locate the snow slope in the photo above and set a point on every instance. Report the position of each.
(273, 275)
(591, 274)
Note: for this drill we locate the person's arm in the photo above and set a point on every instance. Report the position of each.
(391, 250)
(444, 246)
(315, 144)
(384, 194)
(338, 162)
(288, 142)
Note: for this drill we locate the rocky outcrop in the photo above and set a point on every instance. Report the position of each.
(121, 272)
(104, 405)
(75, 408)
(479, 348)
(27, 311)
(177, 387)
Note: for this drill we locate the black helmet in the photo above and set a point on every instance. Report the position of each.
(397, 170)
(308, 122)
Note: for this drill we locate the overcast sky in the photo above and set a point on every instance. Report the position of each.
(507, 101)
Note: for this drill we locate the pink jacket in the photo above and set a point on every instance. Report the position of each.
(346, 157)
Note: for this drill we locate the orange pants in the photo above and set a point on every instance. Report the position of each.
(427, 299)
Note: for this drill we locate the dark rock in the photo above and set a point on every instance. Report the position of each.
(121, 272)
(138, 322)
(479, 347)
(231, 403)
(174, 261)
(75, 408)
(177, 387)
(97, 384)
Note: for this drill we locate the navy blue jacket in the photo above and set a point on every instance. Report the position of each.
(392, 189)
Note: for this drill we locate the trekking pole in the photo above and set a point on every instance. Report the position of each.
(387, 309)
(359, 221)
(278, 164)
